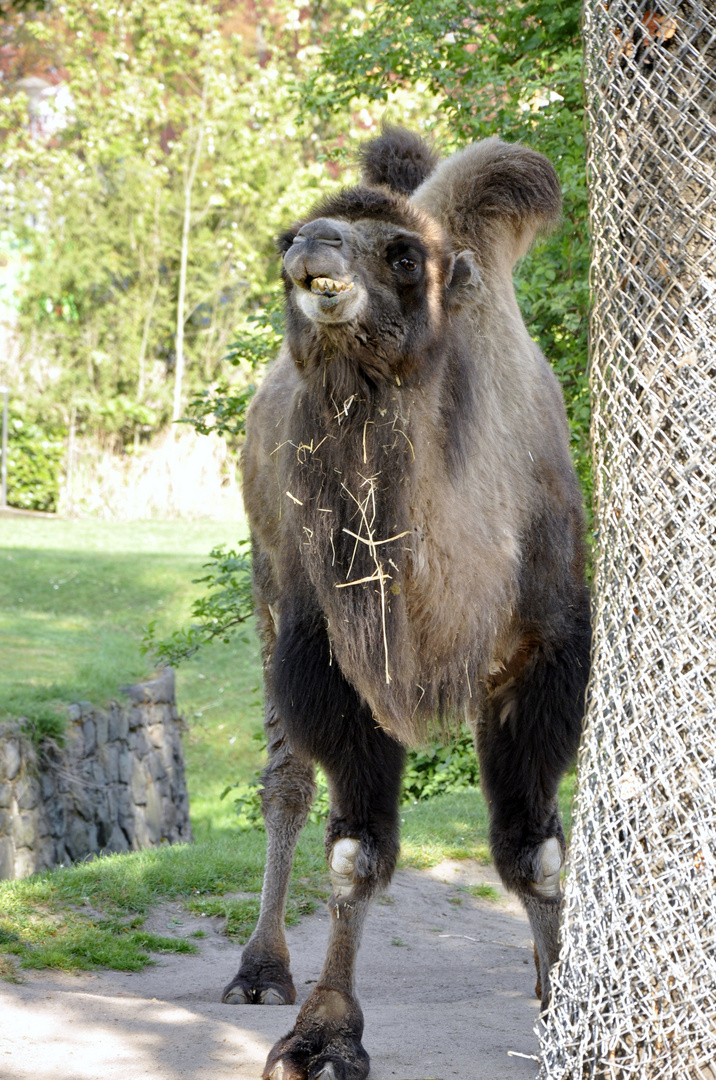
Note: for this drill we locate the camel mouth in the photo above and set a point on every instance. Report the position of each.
(330, 301)
(329, 287)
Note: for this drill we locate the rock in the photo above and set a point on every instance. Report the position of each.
(139, 785)
(113, 723)
(156, 767)
(25, 863)
(159, 690)
(23, 830)
(77, 839)
(99, 777)
(141, 745)
(109, 759)
(125, 765)
(117, 841)
(136, 718)
(27, 792)
(156, 735)
(48, 785)
(56, 819)
(123, 726)
(90, 734)
(153, 816)
(102, 725)
(7, 858)
(45, 855)
(11, 754)
(118, 784)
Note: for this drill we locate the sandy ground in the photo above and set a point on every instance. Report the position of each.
(447, 990)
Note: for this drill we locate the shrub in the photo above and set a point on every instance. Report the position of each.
(35, 457)
(436, 769)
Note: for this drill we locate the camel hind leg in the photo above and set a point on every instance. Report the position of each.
(264, 977)
(526, 741)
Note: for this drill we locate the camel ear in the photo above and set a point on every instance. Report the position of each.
(462, 280)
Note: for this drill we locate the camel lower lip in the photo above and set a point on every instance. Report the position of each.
(329, 300)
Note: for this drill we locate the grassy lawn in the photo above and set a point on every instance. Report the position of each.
(74, 599)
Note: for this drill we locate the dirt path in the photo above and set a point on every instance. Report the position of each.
(447, 991)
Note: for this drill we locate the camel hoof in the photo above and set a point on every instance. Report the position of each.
(326, 1073)
(551, 859)
(252, 986)
(272, 996)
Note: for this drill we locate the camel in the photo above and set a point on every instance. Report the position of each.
(418, 551)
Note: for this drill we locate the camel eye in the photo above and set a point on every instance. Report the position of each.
(406, 257)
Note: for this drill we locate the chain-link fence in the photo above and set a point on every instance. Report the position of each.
(635, 989)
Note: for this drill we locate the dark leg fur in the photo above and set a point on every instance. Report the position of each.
(328, 722)
(264, 977)
(527, 740)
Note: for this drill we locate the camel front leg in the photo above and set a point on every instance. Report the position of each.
(364, 767)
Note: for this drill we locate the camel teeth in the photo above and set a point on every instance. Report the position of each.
(322, 285)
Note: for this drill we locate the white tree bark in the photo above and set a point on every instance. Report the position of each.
(189, 179)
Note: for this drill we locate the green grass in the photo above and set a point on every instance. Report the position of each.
(483, 892)
(445, 827)
(74, 599)
(91, 914)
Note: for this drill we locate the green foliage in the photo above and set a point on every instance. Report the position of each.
(493, 68)
(225, 605)
(74, 597)
(92, 914)
(437, 769)
(240, 915)
(76, 944)
(440, 769)
(35, 458)
(483, 892)
(136, 198)
(222, 408)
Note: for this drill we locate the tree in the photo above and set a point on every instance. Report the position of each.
(141, 207)
(513, 69)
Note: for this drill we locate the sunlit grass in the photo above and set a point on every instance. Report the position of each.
(75, 597)
(92, 914)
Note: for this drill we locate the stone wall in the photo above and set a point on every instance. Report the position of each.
(118, 783)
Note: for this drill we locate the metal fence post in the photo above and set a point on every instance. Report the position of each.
(634, 991)
(3, 480)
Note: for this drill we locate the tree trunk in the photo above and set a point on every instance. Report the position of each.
(189, 179)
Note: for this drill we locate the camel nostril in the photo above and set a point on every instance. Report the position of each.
(322, 231)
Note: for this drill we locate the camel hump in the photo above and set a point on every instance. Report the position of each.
(397, 159)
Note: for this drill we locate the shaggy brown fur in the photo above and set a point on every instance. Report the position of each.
(417, 531)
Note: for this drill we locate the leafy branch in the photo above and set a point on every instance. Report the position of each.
(222, 408)
(226, 604)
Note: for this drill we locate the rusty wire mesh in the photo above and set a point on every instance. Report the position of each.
(635, 988)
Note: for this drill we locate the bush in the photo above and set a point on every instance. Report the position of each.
(34, 463)
(434, 770)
